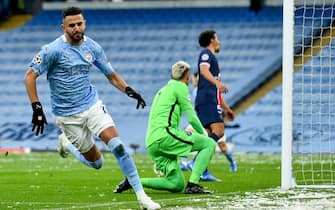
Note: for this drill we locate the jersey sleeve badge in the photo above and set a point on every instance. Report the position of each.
(205, 57)
(89, 57)
(37, 59)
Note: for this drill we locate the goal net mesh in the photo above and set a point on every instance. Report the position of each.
(313, 155)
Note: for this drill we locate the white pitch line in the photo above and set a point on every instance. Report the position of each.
(73, 205)
(96, 205)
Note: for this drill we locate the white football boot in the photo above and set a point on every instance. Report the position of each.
(148, 204)
(62, 148)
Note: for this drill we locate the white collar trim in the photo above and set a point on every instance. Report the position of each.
(64, 39)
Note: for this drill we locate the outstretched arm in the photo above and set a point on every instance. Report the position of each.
(30, 83)
(38, 118)
(117, 81)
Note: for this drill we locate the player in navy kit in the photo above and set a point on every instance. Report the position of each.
(209, 103)
(76, 107)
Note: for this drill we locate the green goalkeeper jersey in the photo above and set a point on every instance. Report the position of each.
(168, 105)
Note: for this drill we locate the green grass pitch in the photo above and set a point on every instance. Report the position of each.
(47, 181)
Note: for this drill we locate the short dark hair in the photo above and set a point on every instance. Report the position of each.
(71, 11)
(205, 37)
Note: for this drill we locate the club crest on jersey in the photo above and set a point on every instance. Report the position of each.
(89, 57)
(205, 57)
(37, 59)
(188, 133)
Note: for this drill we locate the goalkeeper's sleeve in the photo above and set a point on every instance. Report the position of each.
(194, 121)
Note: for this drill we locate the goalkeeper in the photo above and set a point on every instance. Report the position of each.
(165, 142)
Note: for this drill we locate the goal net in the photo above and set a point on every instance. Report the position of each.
(312, 95)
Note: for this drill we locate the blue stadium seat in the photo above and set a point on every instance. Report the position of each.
(143, 44)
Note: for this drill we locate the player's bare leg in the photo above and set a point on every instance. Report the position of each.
(217, 133)
(92, 158)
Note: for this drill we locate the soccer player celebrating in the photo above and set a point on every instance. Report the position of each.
(165, 142)
(209, 103)
(75, 103)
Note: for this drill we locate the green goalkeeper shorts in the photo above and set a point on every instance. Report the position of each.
(177, 143)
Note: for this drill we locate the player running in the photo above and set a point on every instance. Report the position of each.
(75, 103)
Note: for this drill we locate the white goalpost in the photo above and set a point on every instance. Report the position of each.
(308, 105)
(287, 94)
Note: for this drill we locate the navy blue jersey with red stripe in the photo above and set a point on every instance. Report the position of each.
(207, 92)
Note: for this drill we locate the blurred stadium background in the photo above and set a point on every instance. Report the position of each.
(143, 39)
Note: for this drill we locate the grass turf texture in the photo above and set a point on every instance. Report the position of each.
(47, 181)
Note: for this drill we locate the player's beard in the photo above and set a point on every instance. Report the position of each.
(217, 50)
(77, 37)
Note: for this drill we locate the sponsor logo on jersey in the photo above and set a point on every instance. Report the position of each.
(77, 70)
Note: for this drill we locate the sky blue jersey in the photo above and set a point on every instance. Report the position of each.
(67, 69)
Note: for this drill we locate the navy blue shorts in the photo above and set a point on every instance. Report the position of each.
(209, 113)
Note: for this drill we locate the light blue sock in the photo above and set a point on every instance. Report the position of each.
(184, 159)
(230, 157)
(97, 164)
(126, 163)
